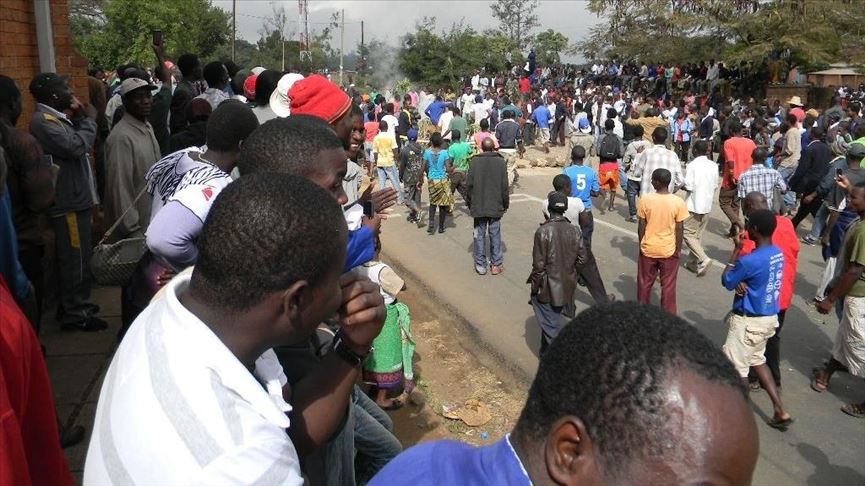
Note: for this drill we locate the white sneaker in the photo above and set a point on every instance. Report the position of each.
(703, 267)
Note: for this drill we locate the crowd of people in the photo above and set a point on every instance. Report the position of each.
(263, 339)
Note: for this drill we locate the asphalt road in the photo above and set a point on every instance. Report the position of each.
(824, 446)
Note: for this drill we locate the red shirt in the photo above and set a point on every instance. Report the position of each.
(30, 450)
(737, 153)
(371, 130)
(525, 85)
(786, 239)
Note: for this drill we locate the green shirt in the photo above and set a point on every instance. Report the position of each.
(855, 253)
(459, 153)
(459, 123)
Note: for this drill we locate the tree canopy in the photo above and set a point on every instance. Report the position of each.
(517, 19)
(808, 32)
(113, 32)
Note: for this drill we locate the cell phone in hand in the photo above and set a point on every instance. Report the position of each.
(157, 38)
(839, 173)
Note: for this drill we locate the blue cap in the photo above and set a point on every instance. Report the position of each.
(584, 126)
(412, 134)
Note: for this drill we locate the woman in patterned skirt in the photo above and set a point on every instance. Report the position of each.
(437, 166)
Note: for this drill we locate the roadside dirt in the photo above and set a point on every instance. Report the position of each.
(449, 371)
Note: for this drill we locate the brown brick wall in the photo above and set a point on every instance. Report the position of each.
(19, 56)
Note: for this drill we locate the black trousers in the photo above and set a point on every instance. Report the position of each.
(806, 209)
(589, 274)
(73, 249)
(31, 262)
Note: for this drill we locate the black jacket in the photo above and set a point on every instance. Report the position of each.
(558, 250)
(487, 192)
(812, 167)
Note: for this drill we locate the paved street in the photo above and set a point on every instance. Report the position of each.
(824, 446)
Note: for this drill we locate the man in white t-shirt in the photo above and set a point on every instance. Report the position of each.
(701, 180)
(194, 393)
(392, 121)
(445, 121)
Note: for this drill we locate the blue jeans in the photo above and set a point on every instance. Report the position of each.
(549, 318)
(391, 173)
(493, 226)
(820, 220)
(633, 190)
(373, 437)
(790, 197)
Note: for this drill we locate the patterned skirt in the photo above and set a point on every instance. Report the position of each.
(440, 193)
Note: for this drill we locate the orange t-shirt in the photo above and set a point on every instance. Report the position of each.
(662, 212)
(737, 152)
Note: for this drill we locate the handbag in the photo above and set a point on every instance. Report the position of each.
(114, 263)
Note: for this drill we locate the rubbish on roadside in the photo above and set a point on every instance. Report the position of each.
(474, 413)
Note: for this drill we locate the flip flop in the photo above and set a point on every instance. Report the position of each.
(854, 410)
(781, 425)
(818, 386)
(395, 404)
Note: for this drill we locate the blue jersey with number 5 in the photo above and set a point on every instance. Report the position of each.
(584, 181)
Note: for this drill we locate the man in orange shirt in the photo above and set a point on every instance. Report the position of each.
(787, 241)
(737, 155)
(660, 230)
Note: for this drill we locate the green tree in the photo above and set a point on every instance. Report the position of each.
(549, 44)
(122, 33)
(517, 19)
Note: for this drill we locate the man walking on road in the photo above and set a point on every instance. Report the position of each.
(488, 197)
(756, 279)
(584, 185)
(629, 163)
(658, 157)
(760, 178)
(701, 179)
(660, 232)
(737, 155)
(508, 133)
(556, 253)
(68, 142)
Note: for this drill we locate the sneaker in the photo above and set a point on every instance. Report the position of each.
(496, 269)
(481, 270)
(91, 324)
(632, 219)
(809, 241)
(703, 267)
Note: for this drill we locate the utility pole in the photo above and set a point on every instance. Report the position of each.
(362, 51)
(341, 44)
(233, 27)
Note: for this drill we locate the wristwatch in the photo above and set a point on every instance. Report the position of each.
(340, 347)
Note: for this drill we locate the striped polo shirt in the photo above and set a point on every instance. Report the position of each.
(177, 407)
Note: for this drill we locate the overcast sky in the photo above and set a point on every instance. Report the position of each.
(389, 20)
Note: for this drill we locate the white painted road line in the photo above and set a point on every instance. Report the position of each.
(633, 234)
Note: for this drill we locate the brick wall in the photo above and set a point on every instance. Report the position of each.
(19, 56)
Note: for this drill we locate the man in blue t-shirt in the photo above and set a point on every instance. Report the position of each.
(756, 278)
(541, 117)
(584, 185)
(435, 110)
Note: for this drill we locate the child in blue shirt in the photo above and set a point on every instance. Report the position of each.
(756, 279)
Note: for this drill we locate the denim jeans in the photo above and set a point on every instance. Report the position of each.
(790, 197)
(550, 320)
(391, 174)
(820, 220)
(633, 190)
(373, 437)
(493, 226)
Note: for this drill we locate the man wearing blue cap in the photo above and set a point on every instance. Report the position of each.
(411, 168)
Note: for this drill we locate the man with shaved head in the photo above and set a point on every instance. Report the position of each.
(488, 198)
(785, 239)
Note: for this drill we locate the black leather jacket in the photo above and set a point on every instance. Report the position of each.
(558, 250)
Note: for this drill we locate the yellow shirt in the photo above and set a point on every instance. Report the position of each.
(383, 144)
(662, 212)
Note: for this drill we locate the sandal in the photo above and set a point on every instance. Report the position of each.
(395, 404)
(817, 384)
(854, 410)
(781, 425)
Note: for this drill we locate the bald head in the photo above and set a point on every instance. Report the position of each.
(488, 145)
(754, 201)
